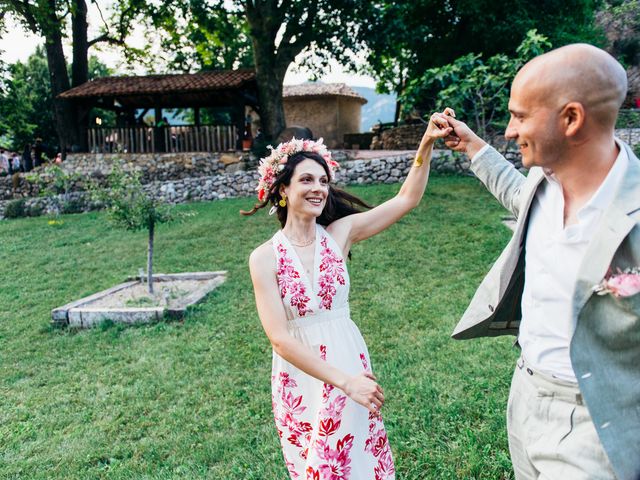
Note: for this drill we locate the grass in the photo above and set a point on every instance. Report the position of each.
(191, 399)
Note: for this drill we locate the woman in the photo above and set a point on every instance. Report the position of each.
(326, 400)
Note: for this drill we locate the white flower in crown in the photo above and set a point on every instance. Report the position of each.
(271, 165)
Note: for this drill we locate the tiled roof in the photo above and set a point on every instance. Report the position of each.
(321, 90)
(162, 84)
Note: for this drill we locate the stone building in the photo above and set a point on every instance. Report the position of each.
(329, 109)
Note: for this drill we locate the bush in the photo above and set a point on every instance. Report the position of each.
(636, 150)
(16, 209)
(76, 205)
(34, 211)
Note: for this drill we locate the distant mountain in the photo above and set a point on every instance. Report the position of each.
(379, 108)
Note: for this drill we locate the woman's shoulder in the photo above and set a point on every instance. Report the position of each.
(263, 256)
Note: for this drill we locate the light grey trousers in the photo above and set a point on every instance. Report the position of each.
(551, 435)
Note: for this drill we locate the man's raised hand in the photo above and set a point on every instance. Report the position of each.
(462, 139)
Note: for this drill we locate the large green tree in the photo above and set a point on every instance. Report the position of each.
(406, 38)
(270, 34)
(26, 102)
(51, 20)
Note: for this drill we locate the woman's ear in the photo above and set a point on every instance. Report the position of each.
(572, 117)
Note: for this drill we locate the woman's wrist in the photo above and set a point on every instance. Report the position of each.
(342, 381)
(423, 152)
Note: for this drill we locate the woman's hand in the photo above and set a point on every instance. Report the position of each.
(438, 127)
(364, 389)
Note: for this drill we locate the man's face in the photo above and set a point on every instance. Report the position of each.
(534, 126)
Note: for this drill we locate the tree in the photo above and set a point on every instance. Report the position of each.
(26, 104)
(130, 207)
(48, 19)
(407, 38)
(277, 31)
(477, 87)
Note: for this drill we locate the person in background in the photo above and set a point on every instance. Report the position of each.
(27, 162)
(37, 153)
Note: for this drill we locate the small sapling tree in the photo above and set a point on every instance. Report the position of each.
(130, 207)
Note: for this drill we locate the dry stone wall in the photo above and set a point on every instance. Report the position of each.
(152, 168)
(406, 137)
(235, 182)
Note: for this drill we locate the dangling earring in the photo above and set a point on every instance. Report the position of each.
(283, 201)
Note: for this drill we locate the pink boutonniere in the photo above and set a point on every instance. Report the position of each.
(623, 284)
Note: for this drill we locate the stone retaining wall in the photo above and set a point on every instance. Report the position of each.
(407, 137)
(241, 183)
(152, 168)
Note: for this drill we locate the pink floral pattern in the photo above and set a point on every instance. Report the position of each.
(333, 463)
(377, 443)
(324, 434)
(289, 282)
(331, 270)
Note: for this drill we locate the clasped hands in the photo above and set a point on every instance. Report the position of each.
(456, 135)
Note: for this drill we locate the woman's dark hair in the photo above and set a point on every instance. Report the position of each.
(339, 203)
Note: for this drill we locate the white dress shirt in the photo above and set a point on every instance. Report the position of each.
(553, 257)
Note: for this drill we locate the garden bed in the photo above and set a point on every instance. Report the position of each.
(131, 303)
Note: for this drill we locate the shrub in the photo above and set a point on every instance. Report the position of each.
(16, 209)
(75, 205)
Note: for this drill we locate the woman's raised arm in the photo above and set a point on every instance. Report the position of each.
(360, 226)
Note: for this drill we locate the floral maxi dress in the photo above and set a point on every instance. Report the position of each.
(324, 434)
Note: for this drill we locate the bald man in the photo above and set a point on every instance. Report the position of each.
(574, 404)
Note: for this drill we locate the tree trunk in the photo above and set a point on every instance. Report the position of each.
(63, 110)
(150, 258)
(265, 19)
(269, 78)
(80, 68)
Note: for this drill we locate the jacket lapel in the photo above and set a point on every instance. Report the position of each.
(613, 229)
(528, 193)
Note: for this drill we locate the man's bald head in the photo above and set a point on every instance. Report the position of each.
(577, 73)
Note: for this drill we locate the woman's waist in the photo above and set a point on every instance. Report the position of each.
(322, 316)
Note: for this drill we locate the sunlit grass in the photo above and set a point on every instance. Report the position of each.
(192, 399)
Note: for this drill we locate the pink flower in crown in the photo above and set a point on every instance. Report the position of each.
(625, 283)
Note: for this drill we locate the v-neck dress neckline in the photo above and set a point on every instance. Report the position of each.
(310, 278)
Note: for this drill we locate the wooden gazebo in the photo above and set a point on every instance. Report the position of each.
(231, 89)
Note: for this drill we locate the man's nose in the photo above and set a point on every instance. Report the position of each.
(510, 133)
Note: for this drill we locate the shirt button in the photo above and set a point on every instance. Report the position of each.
(491, 308)
(529, 371)
(586, 375)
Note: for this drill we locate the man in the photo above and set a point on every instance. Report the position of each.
(574, 405)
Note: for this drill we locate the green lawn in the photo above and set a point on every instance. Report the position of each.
(191, 400)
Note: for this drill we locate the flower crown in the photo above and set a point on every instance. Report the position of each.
(271, 165)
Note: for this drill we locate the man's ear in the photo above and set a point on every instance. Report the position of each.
(573, 118)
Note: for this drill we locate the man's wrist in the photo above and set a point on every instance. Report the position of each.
(474, 148)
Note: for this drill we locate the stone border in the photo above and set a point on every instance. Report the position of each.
(76, 314)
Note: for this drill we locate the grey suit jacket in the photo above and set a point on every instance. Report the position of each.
(605, 348)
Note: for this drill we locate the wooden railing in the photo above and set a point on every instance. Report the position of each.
(169, 139)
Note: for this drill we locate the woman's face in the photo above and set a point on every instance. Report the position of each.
(308, 190)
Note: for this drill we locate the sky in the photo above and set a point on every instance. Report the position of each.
(15, 44)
